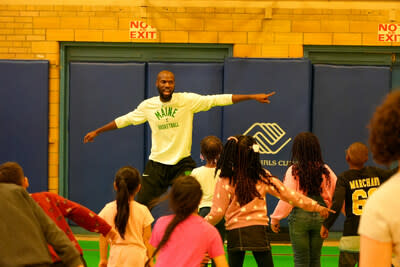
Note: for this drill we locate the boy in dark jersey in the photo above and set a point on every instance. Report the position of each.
(353, 187)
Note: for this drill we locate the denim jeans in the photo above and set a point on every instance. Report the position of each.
(304, 231)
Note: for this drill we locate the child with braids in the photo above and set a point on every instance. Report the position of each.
(308, 175)
(184, 238)
(240, 195)
(131, 219)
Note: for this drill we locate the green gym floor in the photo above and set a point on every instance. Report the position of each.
(282, 255)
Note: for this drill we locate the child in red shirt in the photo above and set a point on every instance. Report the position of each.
(59, 209)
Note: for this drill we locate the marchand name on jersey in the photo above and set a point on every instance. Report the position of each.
(365, 182)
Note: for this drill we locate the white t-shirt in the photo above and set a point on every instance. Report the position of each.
(171, 122)
(381, 217)
(207, 179)
(130, 251)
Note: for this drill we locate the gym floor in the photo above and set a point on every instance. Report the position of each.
(282, 253)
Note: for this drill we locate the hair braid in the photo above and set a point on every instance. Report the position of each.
(307, 162)
(241, 164)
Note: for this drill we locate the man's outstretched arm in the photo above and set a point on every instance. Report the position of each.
(89, 137)
(262, 98)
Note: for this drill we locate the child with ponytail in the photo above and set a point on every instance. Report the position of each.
(184, 238)
(132, 221)
(240, 195)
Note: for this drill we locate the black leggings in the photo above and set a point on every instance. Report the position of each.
(263, 258)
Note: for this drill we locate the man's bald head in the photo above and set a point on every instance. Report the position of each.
(165, 73)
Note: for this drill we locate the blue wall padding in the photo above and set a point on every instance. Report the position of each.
(24, 118)
(344, 100)
(288, 113)
(200, 78)
(99, 93)
(289, 107)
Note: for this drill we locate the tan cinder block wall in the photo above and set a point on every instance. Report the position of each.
(34, 30)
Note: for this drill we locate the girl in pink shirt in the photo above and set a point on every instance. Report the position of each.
(240, 195)
(310, 176)
(184, 239)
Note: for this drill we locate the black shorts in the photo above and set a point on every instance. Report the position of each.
(157, 177)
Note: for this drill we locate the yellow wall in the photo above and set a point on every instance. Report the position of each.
(32, 29)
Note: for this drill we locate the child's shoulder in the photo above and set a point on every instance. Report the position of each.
(47, 196)
(195, 220)
(224, 183)
(199, 169)
(112, 204)
(37, 195)
(202, 225)
(164, 220)
(222, 180)
(109, 209)
(139, 205)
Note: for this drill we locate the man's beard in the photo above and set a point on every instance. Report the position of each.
(166, 98)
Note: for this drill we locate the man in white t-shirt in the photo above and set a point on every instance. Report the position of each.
(170, 117)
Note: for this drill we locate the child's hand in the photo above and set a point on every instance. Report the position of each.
(275, 227)
(324, 232)
(205, 260)
(111, 236)
(103, 263)
(324, 212)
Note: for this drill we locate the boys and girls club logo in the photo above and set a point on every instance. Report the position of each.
(271, 138)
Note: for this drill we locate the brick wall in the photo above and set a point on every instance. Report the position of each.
(256, 28)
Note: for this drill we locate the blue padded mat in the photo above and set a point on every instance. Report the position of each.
(100, 92)
(24, 116)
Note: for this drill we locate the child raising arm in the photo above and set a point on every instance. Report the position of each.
(240, 196)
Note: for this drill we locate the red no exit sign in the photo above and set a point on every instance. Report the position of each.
(141, 30)
(389, 32)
